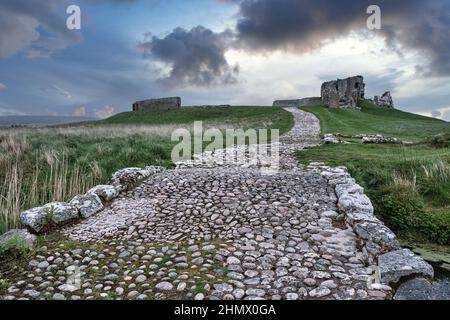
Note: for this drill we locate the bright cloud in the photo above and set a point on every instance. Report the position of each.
(105, 112)
(79, 112)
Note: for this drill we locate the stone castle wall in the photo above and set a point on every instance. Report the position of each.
(343, 93)
(297, 102)
(157, 104)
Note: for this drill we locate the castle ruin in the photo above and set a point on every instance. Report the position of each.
(343, 93)
(384, 101)
(297, 102)
(340, 93)
(157, 104)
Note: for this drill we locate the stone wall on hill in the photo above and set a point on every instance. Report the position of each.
(157, 104)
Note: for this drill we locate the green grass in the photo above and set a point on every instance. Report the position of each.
(375, 120)
(239, 116)
(56, 163)
(409, 185)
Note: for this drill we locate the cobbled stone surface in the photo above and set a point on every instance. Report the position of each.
(211, 231)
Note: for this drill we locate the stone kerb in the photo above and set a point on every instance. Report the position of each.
(380, 245)
(56, 214)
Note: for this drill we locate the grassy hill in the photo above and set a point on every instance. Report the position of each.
(408, 184)
(40, 165)
(237, 116)
(375, 120)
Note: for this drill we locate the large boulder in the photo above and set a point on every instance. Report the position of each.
(348, 188)
(330, 138)
(422, 289)
(377, 238)
(398, 264)
(377, 233)
(87, 204)
(54, 213)
(355, 203)
(105, 192)
(34, 218)
(61, 212)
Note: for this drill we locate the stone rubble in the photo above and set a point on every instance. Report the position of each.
(331, 138)
(378, 139)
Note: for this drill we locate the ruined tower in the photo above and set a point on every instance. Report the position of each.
(343, 93)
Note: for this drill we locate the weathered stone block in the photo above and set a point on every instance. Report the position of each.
(355, 203)
(87, 204)
(125, 178)
(377, 233)
(395, 265)
(52, 213)
(348, 188)
(415, 289)
(105, 192)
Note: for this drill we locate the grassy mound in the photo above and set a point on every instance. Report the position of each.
(238, 116)
(374, 120)
(408, 184)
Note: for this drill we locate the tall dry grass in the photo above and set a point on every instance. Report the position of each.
(31, 175)
(115, 131)
(49, 178)
(437, 171)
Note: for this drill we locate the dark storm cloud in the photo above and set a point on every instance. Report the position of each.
(303, 25)
(22, 23)
(195, 57)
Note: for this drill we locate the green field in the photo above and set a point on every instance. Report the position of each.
(374, 120)
(236, 116)
(408, 184)
(40, 165)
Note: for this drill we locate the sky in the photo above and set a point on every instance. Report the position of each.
(238, 52)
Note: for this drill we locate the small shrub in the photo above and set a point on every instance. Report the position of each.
(49, 215)
(16, 245)
(405, 210)
(440, 140)
(403, 204)
(435, 183)
(436, 225)
(4, 284)
(200, 287)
